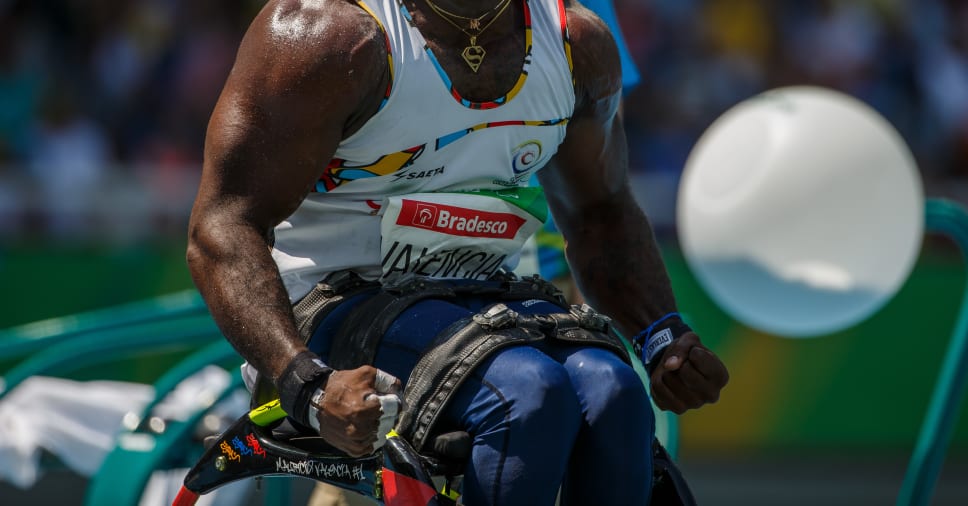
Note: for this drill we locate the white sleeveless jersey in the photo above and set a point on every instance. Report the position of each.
(427, 139)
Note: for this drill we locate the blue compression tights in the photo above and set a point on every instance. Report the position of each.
(542, 417)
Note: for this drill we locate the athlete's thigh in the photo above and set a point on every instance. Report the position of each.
(617, 429)
(523, 414)
(413, 332)
(406, 338)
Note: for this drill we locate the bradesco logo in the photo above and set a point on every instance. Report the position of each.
(460, 221)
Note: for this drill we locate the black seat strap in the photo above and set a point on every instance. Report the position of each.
(359, 336)
(325, 297)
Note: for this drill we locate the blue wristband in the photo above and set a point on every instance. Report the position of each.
(656, 337)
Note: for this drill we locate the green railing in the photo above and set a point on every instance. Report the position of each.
(949, 219)
(110, 344)
(23, 340)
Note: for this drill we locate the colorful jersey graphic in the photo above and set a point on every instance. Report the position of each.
(340, 171)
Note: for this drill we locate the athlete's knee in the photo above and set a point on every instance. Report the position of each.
(539, 387)
(606, 380)
(626, 382)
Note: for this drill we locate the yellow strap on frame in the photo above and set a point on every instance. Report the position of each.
(267, 413)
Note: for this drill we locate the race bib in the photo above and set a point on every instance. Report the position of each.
(458, 235)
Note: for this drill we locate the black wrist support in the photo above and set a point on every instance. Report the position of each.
(304, 374)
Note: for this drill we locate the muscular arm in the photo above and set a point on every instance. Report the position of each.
(611, 247)
(294, 92)
(610, 244)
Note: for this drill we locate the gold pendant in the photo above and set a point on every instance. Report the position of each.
(473, 55)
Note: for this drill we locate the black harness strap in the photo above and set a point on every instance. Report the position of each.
(445, 366)
(325, 297)
(533, 287)
(459, 350)
(359, 336)
(583, 325)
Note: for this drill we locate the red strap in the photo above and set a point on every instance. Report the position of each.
(185, 497)
(400, 490)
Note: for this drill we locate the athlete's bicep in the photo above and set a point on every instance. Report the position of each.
(251, 171)
(283, 112)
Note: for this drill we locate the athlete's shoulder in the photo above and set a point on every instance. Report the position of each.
(597, 66)
(316, 35)
(310, 58)
(301, 19)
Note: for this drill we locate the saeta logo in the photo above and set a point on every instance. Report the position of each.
(459, 221)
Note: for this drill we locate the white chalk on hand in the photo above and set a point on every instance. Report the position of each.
(390, 408)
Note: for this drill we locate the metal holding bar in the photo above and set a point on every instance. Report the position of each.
(950, 219)
(112, 344)
(23, 340)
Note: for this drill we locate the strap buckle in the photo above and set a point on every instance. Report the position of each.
(590, 319)
(338, 282)
(496, 317)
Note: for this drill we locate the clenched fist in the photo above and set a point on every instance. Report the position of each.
(357, 409)
(687, 376)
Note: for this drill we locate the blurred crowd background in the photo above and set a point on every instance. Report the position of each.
(104, 104)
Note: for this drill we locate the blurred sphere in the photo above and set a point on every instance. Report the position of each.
(801, 211)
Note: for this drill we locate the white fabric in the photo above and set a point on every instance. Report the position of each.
(390, 408)
(198, 391)
(402, 150)
(75, 421)
(390, 405)
(78, 422)
(384, 383)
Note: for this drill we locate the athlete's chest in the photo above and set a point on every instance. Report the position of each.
(483, 60)
(444, 126)
(498, 63)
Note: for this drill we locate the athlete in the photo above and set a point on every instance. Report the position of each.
(363, 196)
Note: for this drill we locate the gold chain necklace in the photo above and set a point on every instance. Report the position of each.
(474, 23)
(473, 54)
